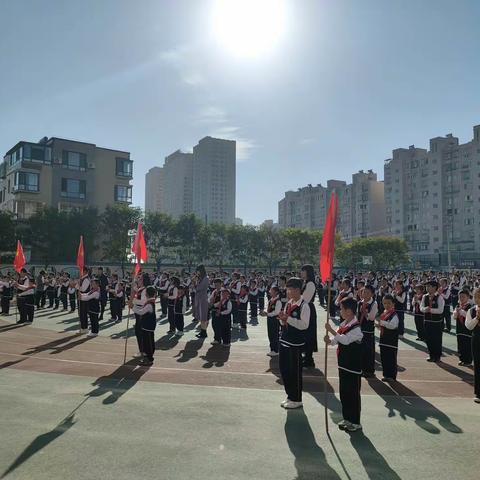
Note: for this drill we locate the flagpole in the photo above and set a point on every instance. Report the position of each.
(325, 371)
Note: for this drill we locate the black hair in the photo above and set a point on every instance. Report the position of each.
(146, 279)
(275, 289)
(432, 283)
(310, 272)
(294, 282)
(349, 303)
(201, 270)
(389, 296)
(150, 291)
(370, 288)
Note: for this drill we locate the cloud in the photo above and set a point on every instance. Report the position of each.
(307, 141)
(182, 59)
(211, 114)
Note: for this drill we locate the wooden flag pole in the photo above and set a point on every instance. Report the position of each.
(325, 371)
(126, 334)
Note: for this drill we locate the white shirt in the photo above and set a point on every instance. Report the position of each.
(392, 324)
(277, 309)
(302, 322)
(309, 292)
(438, 310)
(354, 335)
(470, 322)
(142, 310)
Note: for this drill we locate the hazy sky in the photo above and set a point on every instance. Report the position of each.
(346, 83)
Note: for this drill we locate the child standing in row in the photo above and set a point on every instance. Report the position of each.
(388, 324)
(472, 322)
(464, 335)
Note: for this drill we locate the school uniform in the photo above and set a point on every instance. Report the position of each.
(103, 284)
(172, 296)
(50, 292)
(454, 291)
(292, 342)
(433, 321)
(93, 300)
(333, 295)
(367, 312)
(235, 288)
(382, 291)
(26, 300)
(274, 307)
(64, 293)
(349, 354)
(84, 288)
(253, 300)
(148, 322)
(261, 298)
(180, 308)
(242, 310)
(447, 315)
(344, 293)
(311, 345)
(388, 343)
(464, 335)
(72, 298)
(140, 300)
(418, 317)
(225, 310)
(187, 283)
(400, 300)
(6, 296)
(214, 302)
(163, 287)
(472, 323)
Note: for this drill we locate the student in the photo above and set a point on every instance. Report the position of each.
(472, 322)
(25, 297)
(464, 335)
(253, 299)
(63, 291)
(119, 301)
(432, 307)
(242, 307)
(50, 290)
(172, 296)
(235, 287)
(146, 314)
(214, 304)
(163, 286)
(444, 291)
(418, 315)
(93, 299)
(274, 307)
(294, 319)
(180, 308)
(400, 300)
(7, 293)
(225, 316)
(83, 287)
(348, 339)
(282, 281)
(367, 312)
(261, 295)
(346, 291)
(308, 294)
(388, 324)
(139, 299)
(72, 296)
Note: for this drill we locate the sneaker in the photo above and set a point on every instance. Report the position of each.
(28, 323)
(284, 402)
(353, 427)
(387, 379)
(272, 354)
(461, 364)
(343, 424)
(145, 362)
(215, 342)
(291, 405)
(171, 331)
(430, 359)
(179, 333)
(476, 399)
(138, 355)
(83, 330)
(91, 334)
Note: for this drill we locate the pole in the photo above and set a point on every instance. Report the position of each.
(126, 335)
(325, 393)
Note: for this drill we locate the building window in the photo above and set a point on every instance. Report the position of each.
(123, 193)
(74, 160)
(35, 153)
(124, 167)
(25, 181)
(72, 188)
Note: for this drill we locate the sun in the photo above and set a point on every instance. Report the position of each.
(248, 28)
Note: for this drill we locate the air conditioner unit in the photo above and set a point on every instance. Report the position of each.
(91, 165)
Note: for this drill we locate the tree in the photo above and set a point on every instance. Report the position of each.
(302, 246)
(160, 233)
(387, 253)
(7, 235)
(116, 221)
(187, 230)
(272, 247)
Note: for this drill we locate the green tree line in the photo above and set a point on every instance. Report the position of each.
(53, 237)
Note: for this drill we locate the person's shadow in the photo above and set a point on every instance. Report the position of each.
(217, 356)
(310, 460)
(190, 350)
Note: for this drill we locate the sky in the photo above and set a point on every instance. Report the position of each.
(341, 84)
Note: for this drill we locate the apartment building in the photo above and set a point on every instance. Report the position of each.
(154, 190)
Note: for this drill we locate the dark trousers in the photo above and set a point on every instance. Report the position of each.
(226, 329)
(148, 341)
(5, 303)
(433, 338)
(476, 362)
(139, 333)
(290, 363)
(235, 311)
(368, 353)
(179, 321)
(350, 395)
(40, 298)
(419, 325)
(242, 318)
(401, 322)
(464, 346)
(388, 356)
(103, 302)
(273, 328)
(253, 309)
(261, 303)
(50, 296)
(83, 314)
(217, 326)
(26, 308)
(93, 317)
(73, 302)
(63, 299)
(447, 317)
(171, 317)
(164, 304)
(333, 307)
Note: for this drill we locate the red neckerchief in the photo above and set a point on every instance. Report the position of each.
(343, 329)
(386, 314)
(461, 318)
(363, 311)
(272, 302)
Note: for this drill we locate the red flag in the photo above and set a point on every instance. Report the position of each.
(19, 261)
(81, 256)
(327, 248)
(139, 248)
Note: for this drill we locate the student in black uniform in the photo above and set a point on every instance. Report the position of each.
(418, 315)
(367, 312)
(444, 291)
(253, 300)
(179, 309)
(274, 307)
(214, 305)
(172, 297)
(432, 307)
(464, 335)
(25, 298)
(83, 288)
(472, 322)
(308, 294)
(295, 319)
(388, 324)
(348, 337)
(72, 295)
(400, 300)
(146, 315)
(225, 315)
(261, 295)
(242, 303)
(93, 299)
(65, 283)
(7, 293)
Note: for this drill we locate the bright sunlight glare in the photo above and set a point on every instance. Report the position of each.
(248, 28)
